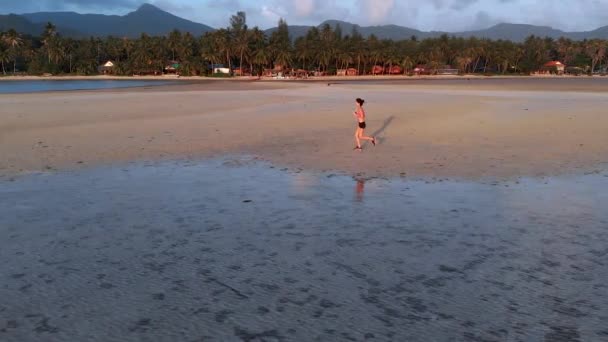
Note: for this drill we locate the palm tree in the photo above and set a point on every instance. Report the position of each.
(127, 46)
(463, 63)
(280, 45)
(69, 47)
(173, 42)
(142, 53)
(258, 46)
(241, 46)
(114, 49)
(407, 63)
(14, 41)
(261, 58)
(596, 50)
(56, 50)
(4, 57)
(357, 48)
(239, 36)
(345, 58)
(221, 43)
(49, 37)
(302, 52)
(535, 53)
(283, 58)
(186, 47)
(566, 50)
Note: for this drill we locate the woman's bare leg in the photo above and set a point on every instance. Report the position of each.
(357, 134)
(363, 137)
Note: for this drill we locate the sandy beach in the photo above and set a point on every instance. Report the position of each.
(433, 128)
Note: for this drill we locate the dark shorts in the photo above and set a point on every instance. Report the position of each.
(362, 125)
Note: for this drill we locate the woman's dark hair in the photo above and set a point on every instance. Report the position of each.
(360, 101)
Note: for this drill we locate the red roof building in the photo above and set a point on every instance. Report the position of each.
(394, 70)
(377, 70)
(347, 72)
(553, 67)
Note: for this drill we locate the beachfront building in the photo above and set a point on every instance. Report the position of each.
(107, 68)
(347, 72)
(553, 67)
(394, 70)
(172, 67)
(421, 70)
(277, 71)
(300, 73)
(447, 70)
(219, 69)
(377, 70)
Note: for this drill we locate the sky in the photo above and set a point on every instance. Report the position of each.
(427, 15)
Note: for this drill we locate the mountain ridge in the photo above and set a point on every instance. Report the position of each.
(146, 19)
(504, 31)
(155, 21)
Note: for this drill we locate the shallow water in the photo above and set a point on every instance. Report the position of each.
(237, 250)
(13, 87)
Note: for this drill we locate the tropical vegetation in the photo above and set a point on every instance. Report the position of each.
(325, 49)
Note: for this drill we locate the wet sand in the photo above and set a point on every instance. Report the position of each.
(451, 129)
(238, 250)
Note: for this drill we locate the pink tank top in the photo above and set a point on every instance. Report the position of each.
(361, 114)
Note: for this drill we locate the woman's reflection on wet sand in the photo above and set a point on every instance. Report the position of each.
(359, 189)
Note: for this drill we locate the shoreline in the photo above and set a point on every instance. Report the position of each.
(196, 84)
(247, 160)
(310, 79)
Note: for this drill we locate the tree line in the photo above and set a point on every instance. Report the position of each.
(325, 49)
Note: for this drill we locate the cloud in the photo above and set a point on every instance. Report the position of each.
(462, 4)
(304, 8)
(376, 11)
(273, 14)
(224, 4)
(21, 6)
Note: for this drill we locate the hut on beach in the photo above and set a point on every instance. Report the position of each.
(300, 73)
(219, 69)
(553, 67)
(107, 68)
(347, 72)
(172, 67)
(377, 70)
(277, 71)
(422, 70)
(394, 70)
(446, 70)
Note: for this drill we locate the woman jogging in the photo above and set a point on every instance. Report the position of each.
(359, 133)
